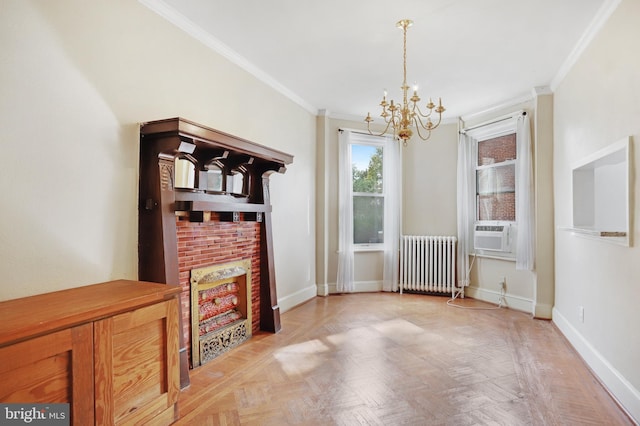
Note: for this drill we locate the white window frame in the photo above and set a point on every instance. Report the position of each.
(377, 142)
(358, 138)
(487, 132)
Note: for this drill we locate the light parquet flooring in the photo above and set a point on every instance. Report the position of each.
(390, 359)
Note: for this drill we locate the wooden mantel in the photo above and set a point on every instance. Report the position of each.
(160, 199)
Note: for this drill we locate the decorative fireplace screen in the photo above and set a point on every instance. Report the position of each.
(220, 309)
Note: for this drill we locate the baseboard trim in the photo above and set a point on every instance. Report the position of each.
(322, 289)
(297, 298)
(627, 396)
(514, 302)
(542, 311)
(360, 287)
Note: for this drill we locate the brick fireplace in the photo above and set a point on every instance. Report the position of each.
(204, 201)
(210, 244)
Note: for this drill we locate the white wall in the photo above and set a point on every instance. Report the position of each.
(429, 182)
(595, 105)
(76, 78)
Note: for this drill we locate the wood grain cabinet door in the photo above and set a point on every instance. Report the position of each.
(136, 366)
(54, 368)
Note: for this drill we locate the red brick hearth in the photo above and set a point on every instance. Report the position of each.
(212, 243)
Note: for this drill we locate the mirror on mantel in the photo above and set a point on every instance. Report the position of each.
(184, 174)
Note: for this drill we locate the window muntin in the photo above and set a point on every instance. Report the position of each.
(368, 193)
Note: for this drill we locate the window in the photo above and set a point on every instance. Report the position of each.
(496, 179)
(368, 193)
(369, 189)
(494, 167)
(495, 192)
(369, 204)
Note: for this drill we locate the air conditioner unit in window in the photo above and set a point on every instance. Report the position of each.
(491, 237)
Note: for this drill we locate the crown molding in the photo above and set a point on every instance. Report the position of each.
(195, 31)
(514, 103)
(346, 117)
(603, 14)
(541, 91)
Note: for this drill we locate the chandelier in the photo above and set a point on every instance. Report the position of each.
(403, 117)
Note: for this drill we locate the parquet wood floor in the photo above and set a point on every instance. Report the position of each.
(390, 359)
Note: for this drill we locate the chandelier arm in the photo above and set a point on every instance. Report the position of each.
(420, 126)
(419, 112)
(383, 132)
(418, 119)
(419, 123)
(436, 124)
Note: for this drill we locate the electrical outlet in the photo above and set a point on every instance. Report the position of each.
(503, 284)
(581, 313)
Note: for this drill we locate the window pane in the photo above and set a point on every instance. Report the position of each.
(496, 179)
(368, 219)
(500, 206)
(497, 150)
(366, 164)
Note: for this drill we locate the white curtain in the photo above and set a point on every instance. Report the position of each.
(524, 198)
(344, 280)
(392, 166)
(466, 202)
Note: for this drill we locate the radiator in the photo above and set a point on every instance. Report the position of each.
(428, 264)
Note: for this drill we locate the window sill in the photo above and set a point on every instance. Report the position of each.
(507, 257)
(368, 247)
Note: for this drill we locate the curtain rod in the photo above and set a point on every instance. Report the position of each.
(363, 132)
(494, 121)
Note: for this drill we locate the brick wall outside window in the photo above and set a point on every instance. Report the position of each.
(499, 202)
(497, 150)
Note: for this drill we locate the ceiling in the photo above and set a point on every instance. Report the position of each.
(339, 55)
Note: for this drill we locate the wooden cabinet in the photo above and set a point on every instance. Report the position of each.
(110, 350)
(56, 367)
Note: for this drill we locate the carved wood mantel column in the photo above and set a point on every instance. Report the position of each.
(230, 175)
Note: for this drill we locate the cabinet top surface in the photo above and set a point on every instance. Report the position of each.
(28, 317)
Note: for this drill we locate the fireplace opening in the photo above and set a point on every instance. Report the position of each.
(220, 309)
